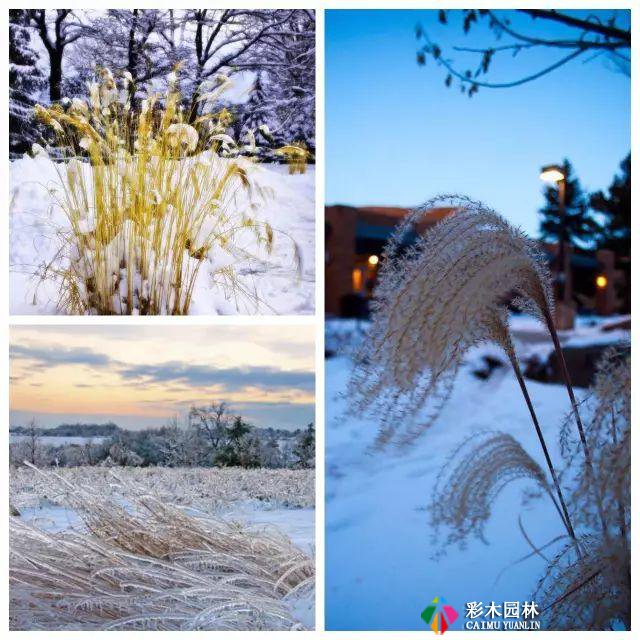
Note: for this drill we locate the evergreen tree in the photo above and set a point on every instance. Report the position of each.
(616, 207)
(305, 450)
(258, 110)
(236, 451)
(25, 80)
(581, 229)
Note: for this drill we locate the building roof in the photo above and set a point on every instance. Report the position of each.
(377, 222)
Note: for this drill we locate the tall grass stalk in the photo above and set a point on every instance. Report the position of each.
(437, 299)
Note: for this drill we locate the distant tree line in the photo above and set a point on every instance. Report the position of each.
(53, 53)
(213, 437)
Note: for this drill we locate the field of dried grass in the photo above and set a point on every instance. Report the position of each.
(158, 549)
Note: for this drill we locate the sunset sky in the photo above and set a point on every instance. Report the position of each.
(140, 376)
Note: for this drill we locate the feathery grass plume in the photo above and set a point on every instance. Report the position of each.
(436, 299)
(151, 566)
(608, 435)
(472, 478)
(586, 586)
(150, 195)
(591, 593)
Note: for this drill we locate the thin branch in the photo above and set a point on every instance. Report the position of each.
(515, 83)
(585, 25)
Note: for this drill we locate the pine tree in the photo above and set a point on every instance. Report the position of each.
(305, 449)
(258, 110)
(237, 449)
(616, 207)
(25, 79)
(581, 228)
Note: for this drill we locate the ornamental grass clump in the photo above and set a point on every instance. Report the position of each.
(151, 193)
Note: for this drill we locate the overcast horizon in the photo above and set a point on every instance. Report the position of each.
(140, 377)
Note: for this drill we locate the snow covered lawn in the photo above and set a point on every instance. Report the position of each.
(36, 221)
(380, 571)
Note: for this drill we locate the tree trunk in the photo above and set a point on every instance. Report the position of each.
(55, 76)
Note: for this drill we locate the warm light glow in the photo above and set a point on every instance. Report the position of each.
(356, 280)
(373, 260)
(552, 173)
(601, 282)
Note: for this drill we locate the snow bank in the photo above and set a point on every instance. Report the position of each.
(380, 571)
(36, 221)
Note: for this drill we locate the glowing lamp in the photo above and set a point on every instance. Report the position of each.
(601, 282)
(373, 260)
(552, 173)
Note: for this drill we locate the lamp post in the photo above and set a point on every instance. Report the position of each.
(555, 174)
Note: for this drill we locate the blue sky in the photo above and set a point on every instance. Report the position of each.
(395, 135)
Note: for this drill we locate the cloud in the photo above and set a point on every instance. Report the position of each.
(57, 356)
(230, 379)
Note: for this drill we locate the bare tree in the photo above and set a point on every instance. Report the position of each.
(33, 442)
(224, 38)
(588, 38)
(139, 41)
(211, 422)
(57, 29)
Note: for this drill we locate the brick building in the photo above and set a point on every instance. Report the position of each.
(354, 240)
(356, 236)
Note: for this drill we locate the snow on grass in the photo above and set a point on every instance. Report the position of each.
(36, 221)
(380, 571)
(258, 511)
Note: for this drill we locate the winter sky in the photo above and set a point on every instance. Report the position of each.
(140, 376)
(397, 136)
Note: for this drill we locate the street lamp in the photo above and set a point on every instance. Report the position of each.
(552, 173)
(555, 174)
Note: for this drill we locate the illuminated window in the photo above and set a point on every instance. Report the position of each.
(356, 280)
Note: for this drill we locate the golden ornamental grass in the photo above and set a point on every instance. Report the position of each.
(151, 193)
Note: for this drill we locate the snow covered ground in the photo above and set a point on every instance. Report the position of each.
(36, 220)
(380, 574)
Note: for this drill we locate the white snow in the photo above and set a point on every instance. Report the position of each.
(36, 221)
(379, 568)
